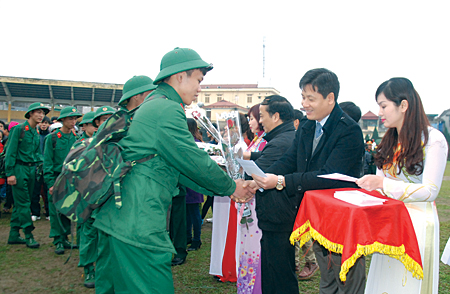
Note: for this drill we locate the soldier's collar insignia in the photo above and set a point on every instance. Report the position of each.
(59, 135)
(27, 128)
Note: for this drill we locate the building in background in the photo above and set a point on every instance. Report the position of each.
(222, 98)
(16, 94)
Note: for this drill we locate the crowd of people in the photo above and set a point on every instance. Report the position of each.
(160, 219)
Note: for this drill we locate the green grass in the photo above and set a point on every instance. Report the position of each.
(24, 270)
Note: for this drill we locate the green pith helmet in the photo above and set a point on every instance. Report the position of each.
(35, 106)
(136, 85)
(88, 118)
(68, 112)
(178, 60)
(104, 110)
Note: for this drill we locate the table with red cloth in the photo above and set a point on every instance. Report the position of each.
(354, 231)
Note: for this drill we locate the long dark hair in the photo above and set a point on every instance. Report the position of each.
(415, 124)
(193, 128)
(254, 110)
(245, 127)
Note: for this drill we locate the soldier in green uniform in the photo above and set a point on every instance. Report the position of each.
(22, 156)
(136, 249)
(56, 147)
(134, 92)
(87, 125)
(102, 114)
(86, 234)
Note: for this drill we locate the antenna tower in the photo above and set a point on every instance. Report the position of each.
(264, 55)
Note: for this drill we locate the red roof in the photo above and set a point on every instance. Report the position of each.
(229, 86)
(224, 104)
(370, 116)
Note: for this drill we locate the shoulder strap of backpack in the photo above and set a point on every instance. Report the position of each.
(54, 139)
(22, 132)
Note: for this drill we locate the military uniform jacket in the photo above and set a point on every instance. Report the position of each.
(27, 151)
(54, 157)
(159, 127)
(339, 150)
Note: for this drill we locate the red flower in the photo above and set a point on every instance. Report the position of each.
(230, 123)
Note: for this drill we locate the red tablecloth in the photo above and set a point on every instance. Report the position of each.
(354, 231)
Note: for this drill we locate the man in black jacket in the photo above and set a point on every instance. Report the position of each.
(276, 211)
(329, 142)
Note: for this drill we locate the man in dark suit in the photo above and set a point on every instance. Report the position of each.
(329, 142)
(276, 211)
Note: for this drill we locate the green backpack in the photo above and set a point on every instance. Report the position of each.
(93, 170)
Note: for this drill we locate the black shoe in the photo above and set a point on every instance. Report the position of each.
(195, 246)
(59, 249)
(178, 261)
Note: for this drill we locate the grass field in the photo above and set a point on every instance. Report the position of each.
(24, 270)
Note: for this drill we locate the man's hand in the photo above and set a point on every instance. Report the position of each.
(370, 182)
(252, 184)
(244, 192)
(12, 180)
(50, 190)
(266, 183)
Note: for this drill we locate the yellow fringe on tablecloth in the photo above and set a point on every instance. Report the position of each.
(392, 251)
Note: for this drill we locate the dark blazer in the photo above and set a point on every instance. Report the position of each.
(339, 151)
(276, 211)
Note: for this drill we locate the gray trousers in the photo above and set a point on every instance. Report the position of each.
(307, 252)
(330, 266)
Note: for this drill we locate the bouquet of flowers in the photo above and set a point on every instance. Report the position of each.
(232, 144)
(233, 147)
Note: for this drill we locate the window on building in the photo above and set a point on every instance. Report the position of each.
(207, 99)
(249, 98)
(219, 97)
(259, 97)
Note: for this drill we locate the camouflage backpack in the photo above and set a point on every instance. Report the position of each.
(93, 170)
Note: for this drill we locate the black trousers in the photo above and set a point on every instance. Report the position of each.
(178, 228)
(208, 203)
(278, 263)
(9, 197)
(35, 199)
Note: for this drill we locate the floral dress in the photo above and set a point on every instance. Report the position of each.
(388, 275)
(249, 278)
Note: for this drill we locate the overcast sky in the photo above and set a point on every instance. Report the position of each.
(364, 43)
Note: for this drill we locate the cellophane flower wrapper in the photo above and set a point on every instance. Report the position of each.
(206, 123)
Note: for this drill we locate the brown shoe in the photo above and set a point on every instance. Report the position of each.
(308, 271)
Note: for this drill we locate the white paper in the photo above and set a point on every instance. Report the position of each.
(250, 168)
(358, 198)
(339, 177)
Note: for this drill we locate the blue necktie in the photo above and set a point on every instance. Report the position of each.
(318, 130)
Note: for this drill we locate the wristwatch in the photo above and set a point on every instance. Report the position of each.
(279, 185)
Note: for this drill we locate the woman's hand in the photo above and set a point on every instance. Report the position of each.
(370, 182)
